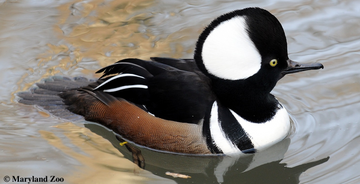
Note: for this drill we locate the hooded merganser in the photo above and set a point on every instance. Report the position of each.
(217, 103)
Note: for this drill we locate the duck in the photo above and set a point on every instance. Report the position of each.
(219, 102)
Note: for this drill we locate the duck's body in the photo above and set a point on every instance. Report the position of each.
(219, 102)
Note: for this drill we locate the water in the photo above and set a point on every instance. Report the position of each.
(44, 38)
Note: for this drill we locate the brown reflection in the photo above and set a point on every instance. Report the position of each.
(108, 32)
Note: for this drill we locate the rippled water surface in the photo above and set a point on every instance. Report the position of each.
(39, 39)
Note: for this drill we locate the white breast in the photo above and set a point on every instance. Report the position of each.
(264, 135)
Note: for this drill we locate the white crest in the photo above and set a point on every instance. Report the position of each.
(229, 53)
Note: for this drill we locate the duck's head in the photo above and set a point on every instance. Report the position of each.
(246, 44)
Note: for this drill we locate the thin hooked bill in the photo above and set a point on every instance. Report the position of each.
(294, 67)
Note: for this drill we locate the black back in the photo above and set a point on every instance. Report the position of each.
(177, 89)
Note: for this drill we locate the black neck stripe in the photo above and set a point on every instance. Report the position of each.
(207, 134)
(233, 130)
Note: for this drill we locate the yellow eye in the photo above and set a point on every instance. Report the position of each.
(273, 62)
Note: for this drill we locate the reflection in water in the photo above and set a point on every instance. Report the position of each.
(75, 37)
(207, 169)
(95, 158)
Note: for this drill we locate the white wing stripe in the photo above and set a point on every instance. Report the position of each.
(119, 76)
(126, 87)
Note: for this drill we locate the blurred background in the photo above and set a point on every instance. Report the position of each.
(42, 38)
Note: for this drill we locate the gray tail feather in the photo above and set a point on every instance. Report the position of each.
(46, 95)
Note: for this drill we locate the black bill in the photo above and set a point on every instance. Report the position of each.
(294, 67)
